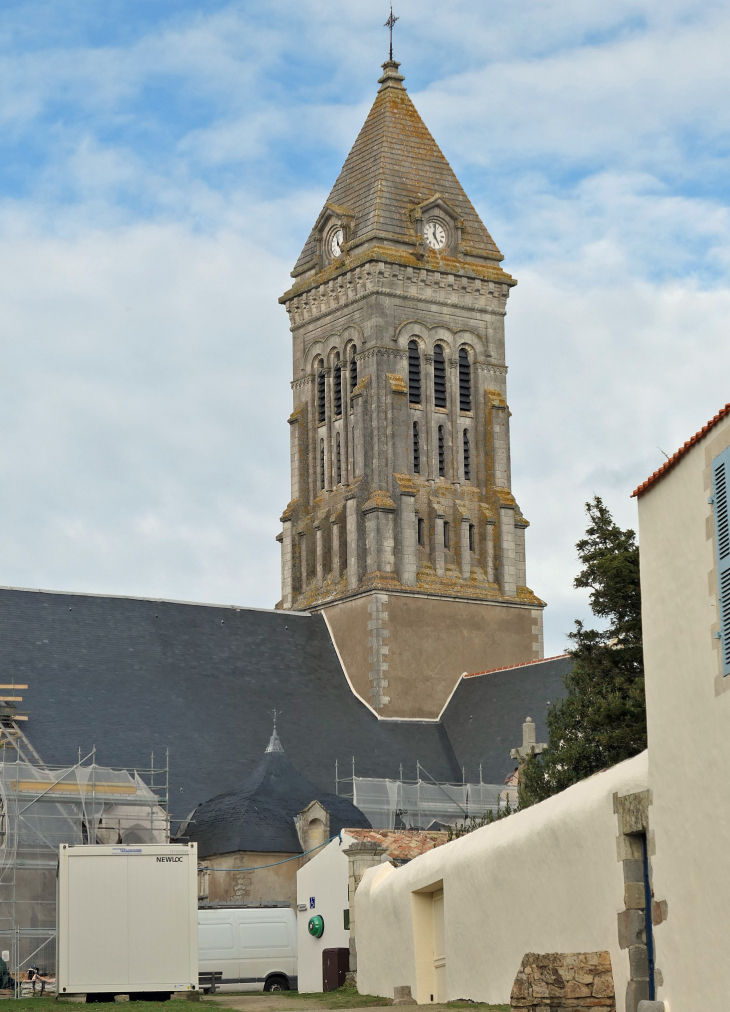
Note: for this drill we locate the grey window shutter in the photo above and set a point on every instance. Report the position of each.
(721, 491)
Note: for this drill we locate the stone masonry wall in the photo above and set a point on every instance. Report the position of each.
(558, 981)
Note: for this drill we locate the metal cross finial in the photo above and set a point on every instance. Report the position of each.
(389, 24)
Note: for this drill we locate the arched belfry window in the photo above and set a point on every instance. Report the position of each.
(439, 377)
(321, 401)
(338, 386)
(414, 373)
(416, 449)
(442, 452)
(464, 380)
(467, 456)
(353, 368)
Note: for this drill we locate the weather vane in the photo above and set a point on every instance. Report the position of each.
(274, 714)
(389, 24)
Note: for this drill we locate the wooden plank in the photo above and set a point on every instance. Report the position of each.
(13, 686)
(73, 788)
(11, 699)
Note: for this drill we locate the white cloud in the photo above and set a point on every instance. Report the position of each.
(162, 182)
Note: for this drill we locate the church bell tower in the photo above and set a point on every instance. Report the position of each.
(402, 527)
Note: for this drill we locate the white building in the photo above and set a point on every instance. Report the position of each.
(685, 558)
(615, 890)
(326, 884)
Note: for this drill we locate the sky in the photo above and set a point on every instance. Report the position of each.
(161, 165)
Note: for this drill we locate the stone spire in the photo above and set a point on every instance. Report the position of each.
(274, 743)
(394, 166)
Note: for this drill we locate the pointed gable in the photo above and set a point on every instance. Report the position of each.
(394, 166)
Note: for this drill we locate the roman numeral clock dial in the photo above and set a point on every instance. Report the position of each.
(435, 234)
(336, 243)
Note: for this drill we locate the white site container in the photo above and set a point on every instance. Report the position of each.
(127, 919)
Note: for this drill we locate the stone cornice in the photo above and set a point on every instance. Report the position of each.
(397, 255)
(441, 287)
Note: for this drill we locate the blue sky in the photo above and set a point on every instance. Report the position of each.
(161, 164)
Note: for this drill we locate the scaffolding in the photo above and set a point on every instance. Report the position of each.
(422, 803)
(42, 807)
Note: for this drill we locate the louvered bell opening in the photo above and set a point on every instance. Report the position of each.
(338, 456)
(353, 369)
(467, 457)
(464, 381)
(321, 409)
(338, 391)
(416, 449)
(442, 453)
(414, 373)
(439, 377)
(321, 463)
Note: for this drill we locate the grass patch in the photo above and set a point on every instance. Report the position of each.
(478, 1006)
(346, 996)
(51, 1005)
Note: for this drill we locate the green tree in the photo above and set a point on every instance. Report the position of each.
(602, 720)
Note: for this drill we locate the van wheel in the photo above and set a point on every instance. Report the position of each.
(276, 984)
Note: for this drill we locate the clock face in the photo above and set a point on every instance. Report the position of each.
(435, 234)
(336, 242)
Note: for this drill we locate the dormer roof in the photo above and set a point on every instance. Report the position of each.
(395, 167)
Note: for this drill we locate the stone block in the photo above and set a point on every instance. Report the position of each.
(659, 911)
(634, 898)
(76, 998)
(631, 926)
(638, 962)
(636, 991)
(121, 997)
(574, 989)
(402, 995)
(603, 986)
(651, 1006)
(634, 870)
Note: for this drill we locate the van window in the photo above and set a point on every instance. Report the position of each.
(264, 935)
(216, 936)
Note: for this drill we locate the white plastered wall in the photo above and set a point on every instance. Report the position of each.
(688, 709)
(325, 878)
(547, 879)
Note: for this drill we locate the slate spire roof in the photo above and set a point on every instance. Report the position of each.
(394, 166)
(259, 815)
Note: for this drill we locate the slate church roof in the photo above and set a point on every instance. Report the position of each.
(395, 165)
(260, 814)
(133, 676)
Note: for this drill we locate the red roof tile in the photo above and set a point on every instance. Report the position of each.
(681, 452)
(507, 667)
(401, 844)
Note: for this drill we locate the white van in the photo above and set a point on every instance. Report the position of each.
(247, 949)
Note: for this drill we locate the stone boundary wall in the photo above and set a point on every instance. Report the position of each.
(558, 981)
